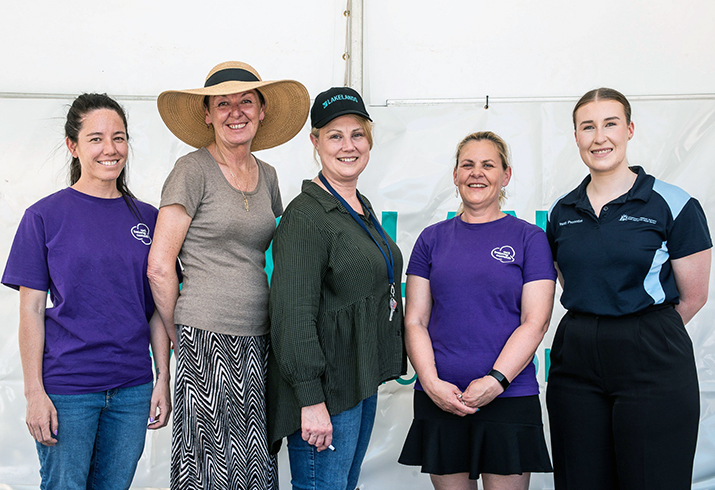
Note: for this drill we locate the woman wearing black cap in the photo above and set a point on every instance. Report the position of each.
(336, 313)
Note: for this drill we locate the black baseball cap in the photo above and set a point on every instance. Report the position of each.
(336, 102)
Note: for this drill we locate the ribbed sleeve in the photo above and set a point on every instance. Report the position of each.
(301, 257)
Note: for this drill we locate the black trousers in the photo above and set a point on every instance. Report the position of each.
(623, 401)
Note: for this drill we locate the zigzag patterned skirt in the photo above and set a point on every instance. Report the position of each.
(219, 439)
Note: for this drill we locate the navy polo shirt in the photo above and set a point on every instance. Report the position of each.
(619, 262)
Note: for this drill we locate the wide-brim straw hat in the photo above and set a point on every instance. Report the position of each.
(287, 104)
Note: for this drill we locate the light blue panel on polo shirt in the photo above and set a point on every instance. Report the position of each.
(676, 199)
(548, 215)
(674, 196)
(652, 283)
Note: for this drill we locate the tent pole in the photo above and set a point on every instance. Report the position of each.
(354, 45)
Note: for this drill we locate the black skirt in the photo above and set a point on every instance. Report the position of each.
(505, 437)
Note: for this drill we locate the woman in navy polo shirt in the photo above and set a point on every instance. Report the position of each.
(633, 255)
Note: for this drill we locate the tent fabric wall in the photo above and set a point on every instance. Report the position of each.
(409, 174)
(532, 58)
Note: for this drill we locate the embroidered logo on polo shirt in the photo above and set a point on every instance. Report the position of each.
(141, 233)
(503, 254)
(570, 222)
(625, 217)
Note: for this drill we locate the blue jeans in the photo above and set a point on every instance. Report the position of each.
(339, 469)
(100, 438)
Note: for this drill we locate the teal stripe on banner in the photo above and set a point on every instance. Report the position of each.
(407, 381)
(541, 217)
(389, 223)
(269, 257)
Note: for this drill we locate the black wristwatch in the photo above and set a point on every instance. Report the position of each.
(500, 377)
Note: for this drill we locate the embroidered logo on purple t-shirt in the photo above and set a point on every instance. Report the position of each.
(503, 254)
(141, 233)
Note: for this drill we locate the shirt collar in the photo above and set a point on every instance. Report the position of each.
(641, 190)
(326, 199)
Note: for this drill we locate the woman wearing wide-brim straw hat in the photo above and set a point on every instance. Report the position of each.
(217, 215)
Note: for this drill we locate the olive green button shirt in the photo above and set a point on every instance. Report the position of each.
(332, 340)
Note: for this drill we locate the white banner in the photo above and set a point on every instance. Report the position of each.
(409, 181)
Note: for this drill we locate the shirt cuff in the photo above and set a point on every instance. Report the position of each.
(309, 392)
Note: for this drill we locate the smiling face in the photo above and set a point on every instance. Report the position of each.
(344, 149)
(101, 147)
(602, 135)
(235, 117)
(480, 174)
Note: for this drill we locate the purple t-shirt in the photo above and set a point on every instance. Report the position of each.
(476, 274)
(91, 254)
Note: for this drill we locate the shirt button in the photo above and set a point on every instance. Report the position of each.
(605, 208)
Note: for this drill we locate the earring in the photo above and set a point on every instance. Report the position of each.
(456, 191)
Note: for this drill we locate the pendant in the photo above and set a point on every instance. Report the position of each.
(393, 302)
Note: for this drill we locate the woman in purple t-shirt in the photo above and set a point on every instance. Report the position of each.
(85, 359)
(480, 289)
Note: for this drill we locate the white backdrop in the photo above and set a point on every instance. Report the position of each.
(533, 58)
(410, 174)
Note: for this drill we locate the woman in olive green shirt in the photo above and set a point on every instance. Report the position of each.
(336, 313)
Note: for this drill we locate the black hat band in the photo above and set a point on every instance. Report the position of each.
(231, 75)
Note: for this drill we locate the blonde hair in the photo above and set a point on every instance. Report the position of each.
(501, 148)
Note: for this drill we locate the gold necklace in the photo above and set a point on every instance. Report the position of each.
(238, 186)
(236, 182)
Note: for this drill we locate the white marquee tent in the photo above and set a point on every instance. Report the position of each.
(425, 69)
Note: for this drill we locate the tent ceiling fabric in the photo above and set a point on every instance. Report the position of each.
(412, 50)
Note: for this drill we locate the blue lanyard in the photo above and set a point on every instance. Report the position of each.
(390, 262)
